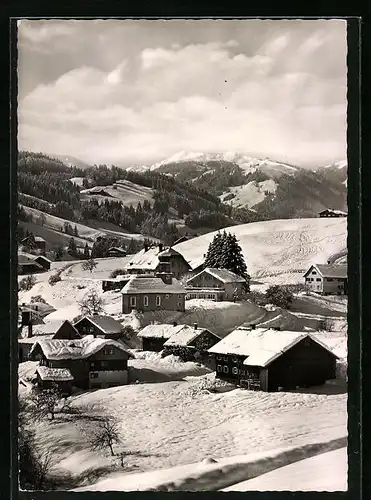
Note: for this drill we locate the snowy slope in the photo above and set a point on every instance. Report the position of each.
(250, 194)
(279, 249)
(325, 472)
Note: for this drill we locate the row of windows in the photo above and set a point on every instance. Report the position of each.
(312, 279)
(133, 300)
(225, 358)
(234, 370)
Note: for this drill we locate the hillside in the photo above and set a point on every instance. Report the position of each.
(279, 250)
(71, 161)
(127, 192)
(273, 189)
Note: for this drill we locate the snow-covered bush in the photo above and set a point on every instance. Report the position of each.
(208, 385)
(184, 353)
(37, 298)
(27, 283)
(280, 296)
(54, 278)
(117, 272)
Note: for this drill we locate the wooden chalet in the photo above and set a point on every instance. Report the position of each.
(145, 293)
(198, 339)
(215, 284)
(91, 362)
(99, 326)
(327, 279)
(271, 360)
(116, 252)
(31, 264)
(158, 259)
(39, 244)
(153, 337)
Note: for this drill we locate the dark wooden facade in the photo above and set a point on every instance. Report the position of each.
(155, 344)
(66, 331)
(108, 359)
(306, 364)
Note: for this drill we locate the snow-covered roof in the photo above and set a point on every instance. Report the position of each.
(105, 323)
(54, 374)
(76, 349)
(37, 257)
(185, 336)
(331, 270)
(164, 331)
(338, 212)
(170, 252)
(261, 346)
(27, 258)
(221, 274)
(152, 285)
(39, 239)
(145, 259)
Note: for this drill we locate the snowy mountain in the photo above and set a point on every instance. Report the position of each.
(338, 164)
(71, 161)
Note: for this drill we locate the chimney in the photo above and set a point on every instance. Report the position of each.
(26, 318)
(195, 326)
(160, 247)
(29, 330)
(175, 323)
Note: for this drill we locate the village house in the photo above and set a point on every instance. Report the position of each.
(30, 264)
(115, 283)
(158, 259)
(116, 252)
(99, 326)
(329, 212)
(154, 336)
(327, 279)
(86, 363)
(39, 245)
(193, 337)
(215, 284)
(30, 333)
(145, 293)
(271, 360)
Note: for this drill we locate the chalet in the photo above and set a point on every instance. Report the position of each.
(38, 246)
(91, 362)
(30, 264)
(116, 252)
(115, 283)
(329, 212)
(215, 284)
(158, 259)
(145, 293)
(270, 360)
(327, 279)
(99, 326)
(53, 330)
(153, 337)
(194, 337)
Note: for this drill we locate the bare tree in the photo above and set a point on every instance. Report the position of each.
(92, 303)
(106, 435)
(89, 265)
(44, 403)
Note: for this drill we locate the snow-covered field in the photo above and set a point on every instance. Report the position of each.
(250, 194)
(279, 250)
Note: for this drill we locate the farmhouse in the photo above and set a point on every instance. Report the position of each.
(270, 360)
(154, 336)
(99, 326)
(53, 330)
(39, 244)
(215, 284)
(116, 252)
(30, 264)
(153, 293)
(198, 339)
(329, 212)
(158, 259)
(327, 279)
(91, 362)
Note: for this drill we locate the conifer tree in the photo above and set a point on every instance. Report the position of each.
(72, 248)
(75, 232)
(86, 252)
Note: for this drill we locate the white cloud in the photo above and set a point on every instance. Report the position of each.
(210, 96)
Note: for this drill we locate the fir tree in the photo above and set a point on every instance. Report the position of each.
(213, 255)
(75, 232)
(72, 248)
(86, 252)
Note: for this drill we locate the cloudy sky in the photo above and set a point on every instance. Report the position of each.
(135, 92)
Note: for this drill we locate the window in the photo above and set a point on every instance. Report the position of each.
(179, 304)
(340, 286)
(179, 296)
(235, 370)
(219, 368)
(234, 359)
(133, 301)
(167, 296)
(145, 299)
(330, 279)
(94, 375)
(158, 300)
(219, 358)
(318, 279)
(109, 352)
(225, 369)
(314, 272)
(225, 358)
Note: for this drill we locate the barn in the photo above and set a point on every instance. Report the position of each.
(271, 360)
(100, 326)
